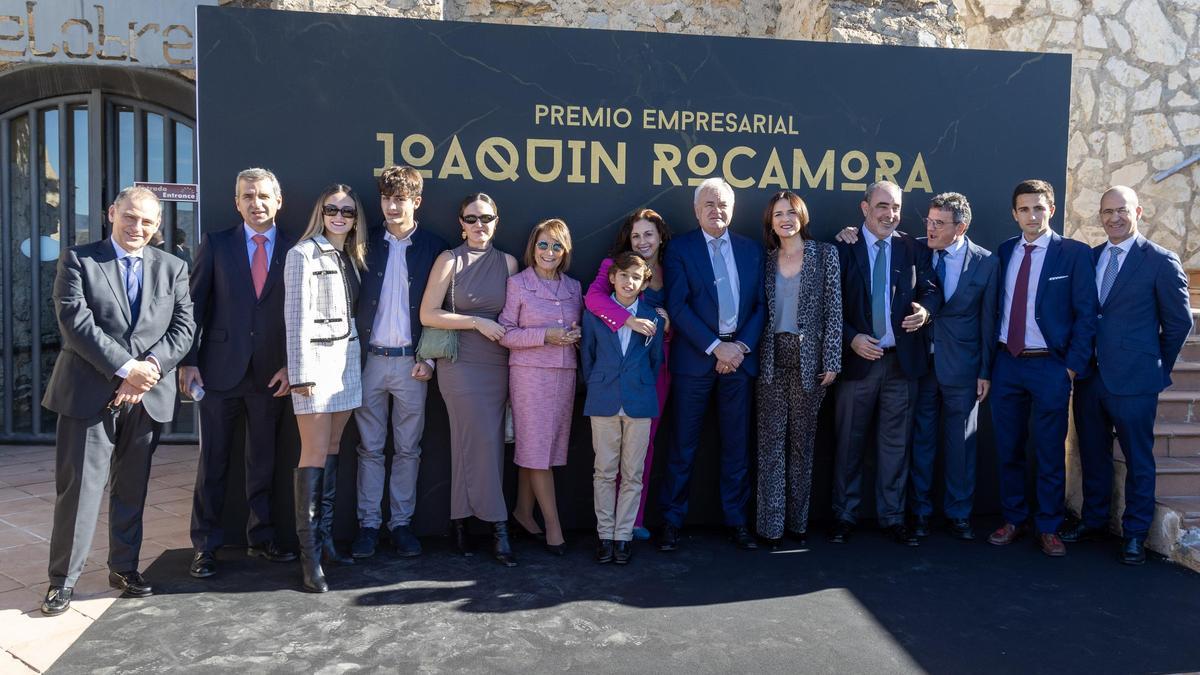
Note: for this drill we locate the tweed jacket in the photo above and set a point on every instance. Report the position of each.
(819, 315)
(530, 308)
(317, 311)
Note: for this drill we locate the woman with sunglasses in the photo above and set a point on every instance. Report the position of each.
(466, 292)
(541, 329)
(321, 279)
(645, 233)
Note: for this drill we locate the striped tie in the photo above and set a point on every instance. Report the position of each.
(1110, 272)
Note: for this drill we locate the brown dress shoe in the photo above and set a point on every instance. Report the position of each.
(1006, 534)
(1052, 545)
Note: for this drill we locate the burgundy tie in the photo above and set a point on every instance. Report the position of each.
(1016, 310)
(258, 264)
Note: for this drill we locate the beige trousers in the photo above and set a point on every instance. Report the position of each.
(620, 443)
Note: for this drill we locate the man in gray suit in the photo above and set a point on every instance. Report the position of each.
(126, 320)
(962, 344)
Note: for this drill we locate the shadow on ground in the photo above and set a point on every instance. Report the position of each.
(869, 606)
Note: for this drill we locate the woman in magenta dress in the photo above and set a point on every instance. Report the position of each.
(541, 328)
(646, 233)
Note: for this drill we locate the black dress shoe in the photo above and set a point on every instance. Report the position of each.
(131, 584)
(604, 551)
(960, 528)
(668, 538)
(840, 533)
(270, 551)
(204, 565)
(742, 538)
(1080, 532)
(901, 535)
(1133, 551)
(773, 544)
(622, 552)
(57, 600)
(405, 542)
(798, 537)
(920, 526)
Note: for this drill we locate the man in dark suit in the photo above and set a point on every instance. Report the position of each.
(399, 258)
(888, 293)
(962, 345)
(715, 300)
(1047, 330)
(239, 361)
(1143, 320)
(126, 320)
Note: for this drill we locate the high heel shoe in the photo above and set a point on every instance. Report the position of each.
(306, 484)
(556, 549)
(462, 540)
(525, 531)
(501, 548)
(329, 552)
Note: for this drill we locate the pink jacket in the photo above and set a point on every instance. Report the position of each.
(530, 307)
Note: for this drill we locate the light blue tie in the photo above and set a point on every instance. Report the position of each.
(726, 307)
(1110, 272)
(879, 290)
(133, 284)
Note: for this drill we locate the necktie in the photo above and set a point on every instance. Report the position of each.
(133, 285)
(726, 309)
(940, 268)
(879, 290)
(1110, 272)
(258, 265)
(1016, 309)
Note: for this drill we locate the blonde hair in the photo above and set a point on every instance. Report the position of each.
(356, 240)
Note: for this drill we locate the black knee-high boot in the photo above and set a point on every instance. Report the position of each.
(306, 486)
(329, 552)
(501, 549)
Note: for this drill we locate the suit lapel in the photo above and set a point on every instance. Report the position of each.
(707, 278)
(970, 258)
(859, 249)
(107, 259)
(241, 262)
(1133, 260)
(1052, 250)
(150, 268)
(899, 261)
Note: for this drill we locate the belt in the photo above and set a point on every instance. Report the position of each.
(1028, 353)
(888, 350)
(391, 351)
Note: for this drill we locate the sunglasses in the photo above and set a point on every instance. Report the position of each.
(556, 247)
(346, 211)
(485, 219)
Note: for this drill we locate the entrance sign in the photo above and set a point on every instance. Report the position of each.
(172, 192)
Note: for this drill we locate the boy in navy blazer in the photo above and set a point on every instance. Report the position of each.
(620, 370)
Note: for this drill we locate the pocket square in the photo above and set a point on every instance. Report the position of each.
(1064, 276)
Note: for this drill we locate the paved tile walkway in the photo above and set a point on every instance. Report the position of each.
(29, 641)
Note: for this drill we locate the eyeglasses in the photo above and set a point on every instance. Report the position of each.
(938, 224)
(1108, 213)
(485, 219)
(346, 211)
(556, 247)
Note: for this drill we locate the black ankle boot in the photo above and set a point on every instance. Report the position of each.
(329, 552)
(500, 547)
(462, 540)
(306, 486)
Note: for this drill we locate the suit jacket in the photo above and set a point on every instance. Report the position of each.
(418, 257)
(1065, 307)
(912, 281)
(617, 381)
(963, 331)
(98, 336)
(236, 331)
(819, 315)
(318, 312)
(1143, 322)
(692, 301)
(529, 309)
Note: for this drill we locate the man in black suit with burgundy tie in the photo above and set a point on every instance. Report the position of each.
(239, 358)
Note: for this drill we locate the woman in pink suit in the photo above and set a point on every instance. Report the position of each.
(541, 328)
(646, 234)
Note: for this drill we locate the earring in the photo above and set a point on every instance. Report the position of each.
(463, 233)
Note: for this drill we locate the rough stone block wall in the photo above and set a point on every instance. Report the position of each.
(752, 18)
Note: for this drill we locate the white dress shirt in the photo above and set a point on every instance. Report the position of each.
(889, 337)
(1125, 246)
(269, 244)
(1033, 334)
(724, 328)
(123, 371)
(393, 322)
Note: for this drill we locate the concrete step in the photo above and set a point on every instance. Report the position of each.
(1188, 509)
(1174, 476)
(1185, 376)
(1190, 352)
(1179, 406)
(1179, 439)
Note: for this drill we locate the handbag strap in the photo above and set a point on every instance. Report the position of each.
(453, 273)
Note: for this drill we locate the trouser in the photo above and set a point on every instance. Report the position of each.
(389, 378)
(620, 443)
(952, 412)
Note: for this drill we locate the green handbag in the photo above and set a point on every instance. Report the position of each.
(440, 343)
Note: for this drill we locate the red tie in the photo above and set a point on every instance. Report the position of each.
(1016, 310)
(258, 264)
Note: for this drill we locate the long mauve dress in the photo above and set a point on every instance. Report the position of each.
(475, 389)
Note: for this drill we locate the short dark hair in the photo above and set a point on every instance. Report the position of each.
(955, 203)
(627, 261)
(769, 237)
(1033, 186)
(624, 234)
(400, 181)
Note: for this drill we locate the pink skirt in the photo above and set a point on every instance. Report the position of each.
(542, 402)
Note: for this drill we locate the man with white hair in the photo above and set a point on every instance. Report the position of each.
(715, 300)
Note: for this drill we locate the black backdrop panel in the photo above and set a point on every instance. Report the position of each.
(587, 125)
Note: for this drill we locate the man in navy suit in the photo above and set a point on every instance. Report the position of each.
(715, 299)
(1143, 320)
(888, 293)
(239, 359)
(1047, 331)
(962, 345)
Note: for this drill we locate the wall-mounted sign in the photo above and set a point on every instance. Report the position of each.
(172, 192)
(147, 33)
